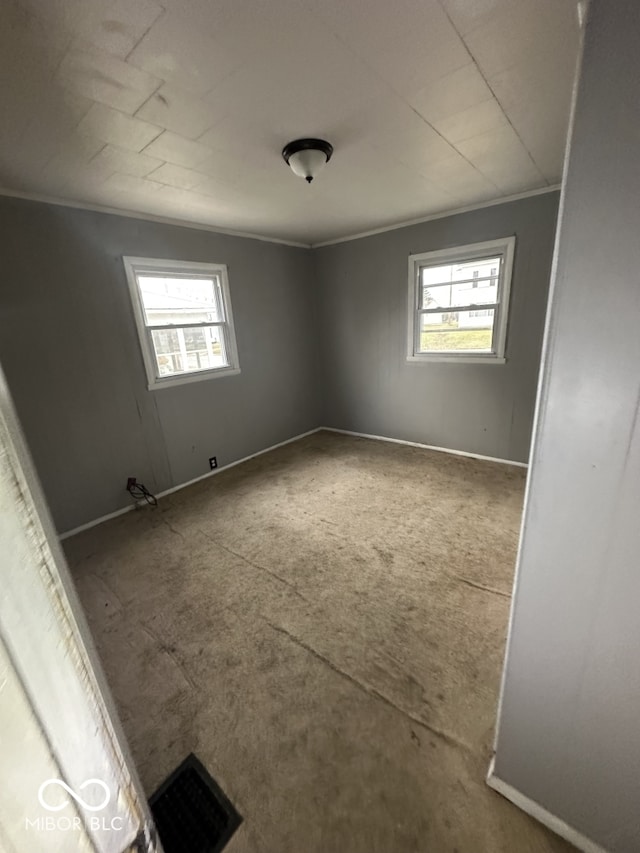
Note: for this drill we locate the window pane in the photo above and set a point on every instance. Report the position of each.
(168, 356)
(189, 350)
(482, 268)
(462, 293)
(175, 301)
(205, 348)
(457, 331)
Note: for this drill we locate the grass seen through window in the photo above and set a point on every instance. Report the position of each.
(445, 337)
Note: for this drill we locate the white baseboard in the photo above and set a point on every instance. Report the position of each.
(535, 810)
(95, 521)
(177, 488)
(427, 447)
(237, 462)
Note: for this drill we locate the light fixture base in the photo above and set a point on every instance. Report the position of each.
(305, 157)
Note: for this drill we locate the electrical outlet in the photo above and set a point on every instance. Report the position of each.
(131, 482)
(213, 462)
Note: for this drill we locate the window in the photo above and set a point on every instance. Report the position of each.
(459, 302)
(183, 314)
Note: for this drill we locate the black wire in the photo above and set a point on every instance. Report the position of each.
(138, 491)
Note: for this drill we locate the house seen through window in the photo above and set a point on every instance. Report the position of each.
(183, 313)
(459, 302)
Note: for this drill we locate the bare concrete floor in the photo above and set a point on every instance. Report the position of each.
(324, 626)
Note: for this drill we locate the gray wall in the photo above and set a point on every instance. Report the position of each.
(321, 338)
(70, 351)
(569, 734)
(369, 385)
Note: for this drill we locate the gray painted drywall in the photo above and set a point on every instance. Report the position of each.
(71, 354)
(321, 339)
(370, 387)
(569, 724)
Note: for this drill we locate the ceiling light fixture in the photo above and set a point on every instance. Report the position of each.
(306, 157)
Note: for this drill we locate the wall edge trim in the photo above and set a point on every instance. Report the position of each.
(94, 522)
(146, 217)
(5, 192)
(89, 524)
(539, 813)
(428, 447)
(442, 215)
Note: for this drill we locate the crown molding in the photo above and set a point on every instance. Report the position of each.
(442, 215)
(147, 217)
(200, 226)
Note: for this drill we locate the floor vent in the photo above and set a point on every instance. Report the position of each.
(191, 813)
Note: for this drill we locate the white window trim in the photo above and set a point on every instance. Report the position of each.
(505, 247)
(160, 265)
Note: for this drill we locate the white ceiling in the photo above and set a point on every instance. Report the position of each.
(180, 108)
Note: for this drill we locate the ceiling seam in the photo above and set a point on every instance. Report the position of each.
(163, 12)
(63, 55)
(464, 157)
(145, 102)
(407, 104)
(491, 89)
(161, 130)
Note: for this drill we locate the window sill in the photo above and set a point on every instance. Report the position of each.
(172, 381)
(456, 359)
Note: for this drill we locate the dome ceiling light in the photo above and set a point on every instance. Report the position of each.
(306, 157)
